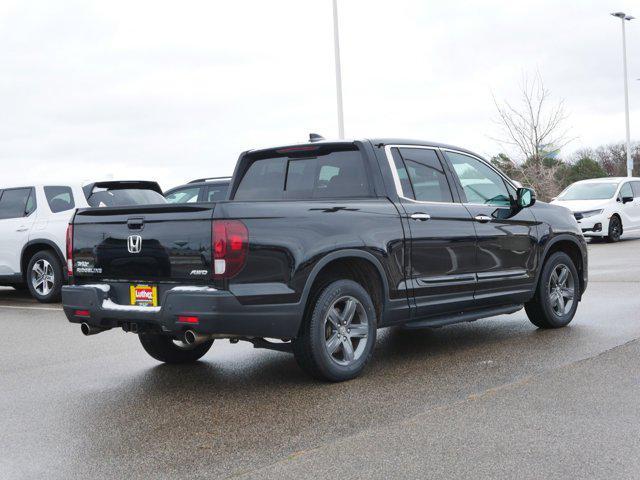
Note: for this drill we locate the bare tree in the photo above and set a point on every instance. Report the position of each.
(613, 158)
(534, 127)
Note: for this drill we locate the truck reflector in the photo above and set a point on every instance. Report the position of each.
(187, 319)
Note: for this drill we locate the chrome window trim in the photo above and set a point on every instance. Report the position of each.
(396, 178)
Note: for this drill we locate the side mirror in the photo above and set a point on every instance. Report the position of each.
(627, 199)
(526, 197)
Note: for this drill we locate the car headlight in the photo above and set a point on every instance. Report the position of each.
(590, 213)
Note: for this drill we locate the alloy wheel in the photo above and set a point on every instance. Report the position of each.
(561, 290)
(346, 329)
(42, 277)
(615, 229)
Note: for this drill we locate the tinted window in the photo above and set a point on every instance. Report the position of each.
(31, 203)
(337, 174)
(625, 190)
(13, 203)
(184, 195)
(636, 189)
(125, 197)
(426, 174)
(264, 180)
(217, 193)
(481, 184)
(403, 176)
(60, 199)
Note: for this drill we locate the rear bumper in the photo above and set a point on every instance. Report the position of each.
(218, 312)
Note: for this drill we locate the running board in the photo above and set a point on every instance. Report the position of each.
(448, 319)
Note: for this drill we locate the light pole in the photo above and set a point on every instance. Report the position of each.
(336, 45)
(624, 17)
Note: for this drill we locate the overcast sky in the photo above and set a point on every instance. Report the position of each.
(176, 90)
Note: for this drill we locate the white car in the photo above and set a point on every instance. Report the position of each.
(604, 207)
(33, 226)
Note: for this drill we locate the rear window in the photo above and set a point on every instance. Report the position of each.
(185, 195)
(60, 199)
(319, 173)
(16, 203)
(125, 197)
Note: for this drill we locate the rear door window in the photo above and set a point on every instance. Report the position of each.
(321, 174)
(31, 203)
(60, 199)
(184, 195)
(403, 176)
(426, 175)
(636, 189)
(16, 203)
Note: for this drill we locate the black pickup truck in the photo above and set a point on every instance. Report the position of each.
(319, 245)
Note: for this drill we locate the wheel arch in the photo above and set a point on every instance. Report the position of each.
(357, 263)
(617, 214)
(37, 245)
(572, 247)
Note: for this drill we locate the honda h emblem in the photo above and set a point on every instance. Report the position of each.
(134, 243)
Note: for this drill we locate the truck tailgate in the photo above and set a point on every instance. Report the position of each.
(150, 243)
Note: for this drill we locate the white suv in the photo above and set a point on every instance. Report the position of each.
(604, 207)
(33, 225)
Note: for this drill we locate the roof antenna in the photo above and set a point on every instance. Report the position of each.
(315, 137)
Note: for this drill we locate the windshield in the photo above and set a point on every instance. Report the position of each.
(125, 197)
(589, 191)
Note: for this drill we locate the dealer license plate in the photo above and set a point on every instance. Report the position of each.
(144, 295)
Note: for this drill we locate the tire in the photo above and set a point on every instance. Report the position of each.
(44, 276)
(164, 349)
(547, 309)
(615, 229)
(338, 334)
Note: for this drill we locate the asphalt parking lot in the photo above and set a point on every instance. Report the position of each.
(495, 398)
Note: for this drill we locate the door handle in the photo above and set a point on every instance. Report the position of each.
(423, 217)
(482, 218)
(22, 228)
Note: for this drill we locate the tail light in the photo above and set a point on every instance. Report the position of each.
(70, 250)
(230, 244)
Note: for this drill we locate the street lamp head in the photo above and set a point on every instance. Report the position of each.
(622, 16)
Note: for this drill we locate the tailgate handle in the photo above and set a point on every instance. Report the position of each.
(135, 223)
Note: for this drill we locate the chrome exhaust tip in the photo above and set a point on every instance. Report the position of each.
(87, 329)
(195, 338)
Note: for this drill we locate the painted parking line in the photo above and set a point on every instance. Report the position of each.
(17, 307)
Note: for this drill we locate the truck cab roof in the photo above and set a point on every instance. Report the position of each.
(375, 141)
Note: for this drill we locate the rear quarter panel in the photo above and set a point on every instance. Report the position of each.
(289, 239)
